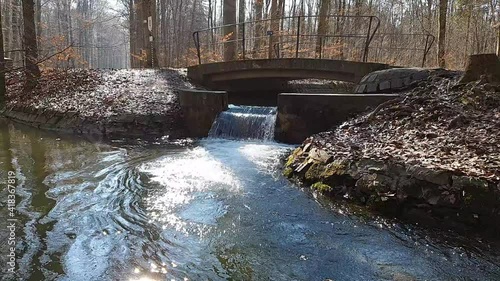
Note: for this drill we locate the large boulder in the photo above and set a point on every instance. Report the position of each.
(391, 80)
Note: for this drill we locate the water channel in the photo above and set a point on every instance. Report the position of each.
(210, 209)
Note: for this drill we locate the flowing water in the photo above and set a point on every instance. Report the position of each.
(245, 123)
(214, 209)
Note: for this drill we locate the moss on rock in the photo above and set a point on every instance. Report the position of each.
(292, 158)
(337, 167)
(321, 187)
(288, 172)
(313, 172)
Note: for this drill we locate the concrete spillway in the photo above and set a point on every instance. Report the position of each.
(245, 122)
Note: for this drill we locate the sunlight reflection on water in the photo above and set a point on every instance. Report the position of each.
(183, 177)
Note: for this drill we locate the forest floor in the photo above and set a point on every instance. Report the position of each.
(106, 98)
(436, 147)
(100, 93)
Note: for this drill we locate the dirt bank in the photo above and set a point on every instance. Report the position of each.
(109, 103)
(431, 155)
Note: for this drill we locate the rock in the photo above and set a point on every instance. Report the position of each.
(467, 182)
(391, 80)
(335, 168)
(319, 155)
(429, 175)
(313, 172)
(374, 183)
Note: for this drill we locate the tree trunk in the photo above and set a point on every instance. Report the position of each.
(16, 33)
(38, 18)
(8, 14)
(148, 13)
(163, 32)
(498, 41)
(322, 25)
(482, 66)
(153, 59)
(229, 18)
(2, 67)
(443, 8)
(70, 30)
(274, 28)
(241, 20)
(30, 44)
(339, 29)
(258, 32)
(134, 62)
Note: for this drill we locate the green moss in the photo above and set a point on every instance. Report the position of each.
(321, 187)
(287, 172)
(314, 172)
(337, 167)
(290, 160)
(293, 156)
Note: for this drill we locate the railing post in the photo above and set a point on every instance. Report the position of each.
(298, 38)
(365, 54)
(243, 38)
(320, 47)
(270, 46)
(196, 38)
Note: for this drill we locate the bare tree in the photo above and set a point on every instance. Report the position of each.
(30, 44)
(443, 8)
(496, 27)
(323, 24)
(258, 32)
(2, 66)
(229, 30)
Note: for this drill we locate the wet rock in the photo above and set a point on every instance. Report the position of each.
(319, 155)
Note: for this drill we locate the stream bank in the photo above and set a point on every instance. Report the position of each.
(431, 156)
(104, 103)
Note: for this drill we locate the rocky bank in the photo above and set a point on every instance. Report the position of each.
(104, 103)
(432, 155)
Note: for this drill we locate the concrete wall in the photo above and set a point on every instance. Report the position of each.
(200, 108)
(301, 115)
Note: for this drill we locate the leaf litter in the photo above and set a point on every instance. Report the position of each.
(440, 124)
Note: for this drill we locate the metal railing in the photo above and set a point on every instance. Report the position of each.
(248, 38)
(350, 37)
(402, 48)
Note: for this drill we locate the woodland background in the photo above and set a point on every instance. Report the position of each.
(113, 34)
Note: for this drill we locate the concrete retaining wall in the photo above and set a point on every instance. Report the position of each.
(123, 126)
(200, 108)
(301, 115)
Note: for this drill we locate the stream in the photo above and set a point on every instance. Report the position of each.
(210, 209)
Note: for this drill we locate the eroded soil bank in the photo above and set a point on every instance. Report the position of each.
(108, 103)
(432, 156)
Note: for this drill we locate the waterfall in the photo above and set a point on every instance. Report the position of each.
(245, 122)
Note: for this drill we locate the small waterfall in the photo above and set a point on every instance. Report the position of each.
(245, 122)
